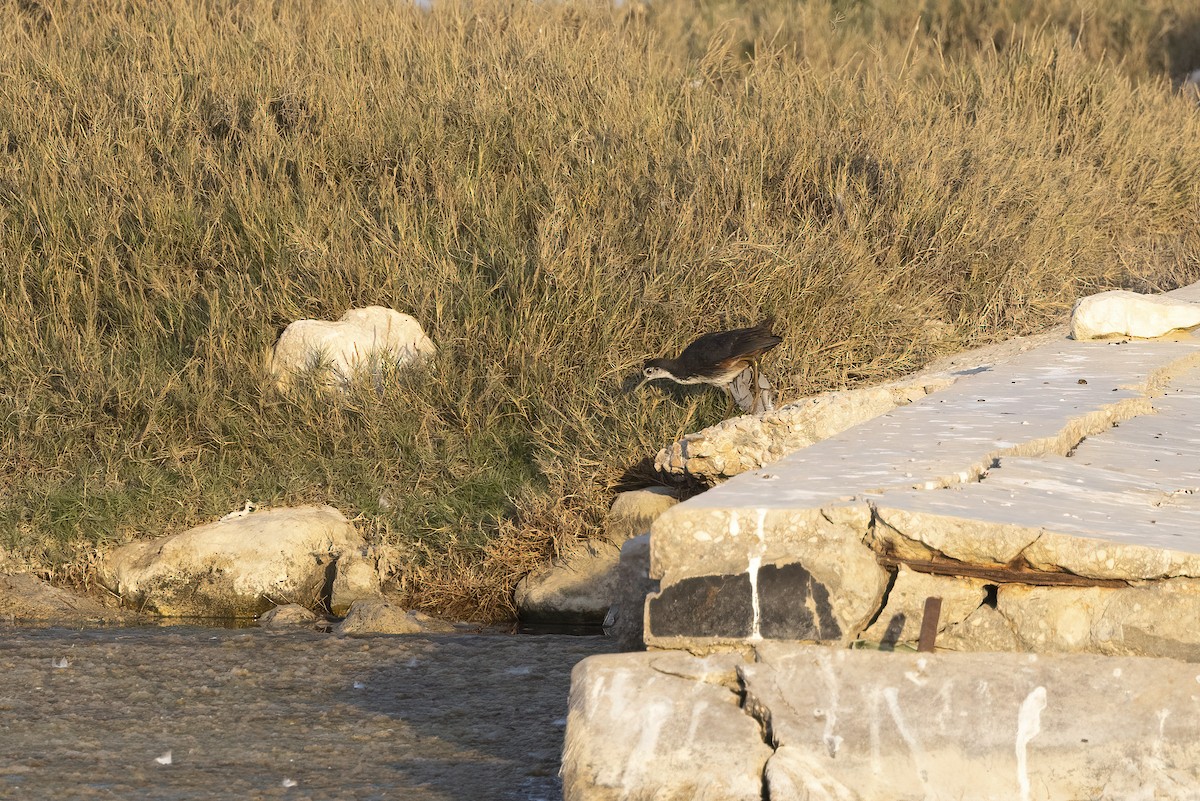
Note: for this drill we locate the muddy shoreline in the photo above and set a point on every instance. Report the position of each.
(190, 712)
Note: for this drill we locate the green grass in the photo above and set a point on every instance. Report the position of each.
(557, 191)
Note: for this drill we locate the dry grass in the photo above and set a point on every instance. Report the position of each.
(557, 191)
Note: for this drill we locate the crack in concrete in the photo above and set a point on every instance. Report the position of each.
(883, 602)
(751, 705)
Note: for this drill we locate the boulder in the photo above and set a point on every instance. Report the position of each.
(578, 587)
(661, 726)
(379, 616)
(26, 598)
(358, 578)
(237, 567)
(362, 341)
(1128, 314)
(582, 585)
(625, 621)
(632, 512)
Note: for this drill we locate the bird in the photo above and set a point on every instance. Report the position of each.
(716, 358)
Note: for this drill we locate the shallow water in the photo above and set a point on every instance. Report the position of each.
(203, 713)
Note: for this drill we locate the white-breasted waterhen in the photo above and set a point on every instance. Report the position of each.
(717, 358)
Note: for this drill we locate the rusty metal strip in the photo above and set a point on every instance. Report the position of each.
(1000, 574)
(929, 624)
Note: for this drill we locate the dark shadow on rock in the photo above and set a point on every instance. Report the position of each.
(642, 474)
(891, 635)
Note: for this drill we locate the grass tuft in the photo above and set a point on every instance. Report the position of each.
(557, 190)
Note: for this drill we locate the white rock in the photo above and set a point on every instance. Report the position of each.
(1128, 314)
(239, 567)
(362, 340)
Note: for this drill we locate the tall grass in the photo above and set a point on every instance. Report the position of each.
(557, 191)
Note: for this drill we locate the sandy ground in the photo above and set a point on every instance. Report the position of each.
(197, 713)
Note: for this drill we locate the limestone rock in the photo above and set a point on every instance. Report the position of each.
(362, 340)
(900, 620)
(357, 578)
(25, 597)
(625, 621)
(632, 512)
(743, 443)
(1121, 313)
(579, 587)
(286, 616)
(985, 629)
(1154, 619)
(237, 567)
(379, 616)
(852, 725)
(637, 731)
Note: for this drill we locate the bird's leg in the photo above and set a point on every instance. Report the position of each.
(755, 392)
(728, 390)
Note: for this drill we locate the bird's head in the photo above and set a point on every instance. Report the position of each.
(652, 369)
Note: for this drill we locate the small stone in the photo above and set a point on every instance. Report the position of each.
(633, 512)
(378, 616)
(286, 616)
(357, 578)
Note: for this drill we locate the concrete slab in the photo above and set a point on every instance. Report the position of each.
(866, 725)
(789, 722)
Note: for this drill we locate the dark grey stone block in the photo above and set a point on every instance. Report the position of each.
(793, 605)
(704, 606)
